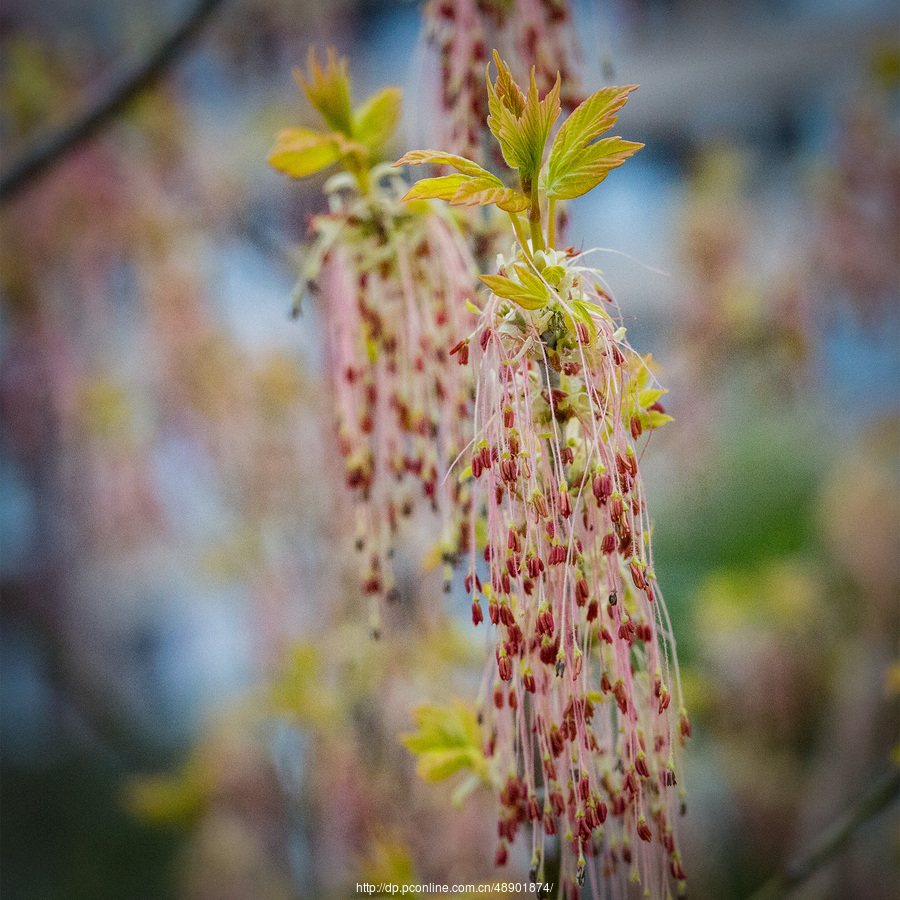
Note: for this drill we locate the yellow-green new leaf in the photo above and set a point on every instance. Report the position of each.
(528, 297)
(328, 90)
(460, 163)
(589, 167)
(448, 740)
(299, 152)
(574, 167)
(443, 188)
(487, 191)
(377, 118)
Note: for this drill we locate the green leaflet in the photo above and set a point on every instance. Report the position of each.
(576, 165)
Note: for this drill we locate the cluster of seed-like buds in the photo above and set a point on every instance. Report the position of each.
(394, 285)
(533, 33)
(581, 716)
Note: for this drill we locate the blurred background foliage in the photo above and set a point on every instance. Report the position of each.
(191, 704)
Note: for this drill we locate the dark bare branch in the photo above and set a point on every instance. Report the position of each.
(52, 149)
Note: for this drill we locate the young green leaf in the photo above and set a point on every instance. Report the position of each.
(376, 119)
(299, 152)
(460, 163)
(576, 165)
(482, 191)
(521, 123)
(328, 90)
(443, 188)
(528, 296)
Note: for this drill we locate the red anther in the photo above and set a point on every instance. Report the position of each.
(506, 614)
(618, 359)
(567, 456)
(528, 586)
(508, 416)
(485, 339)
(616, 507)
(498, 697)
(488, 552)
(602, 487)
(630, 783)
(557, 555)
(621, 696)
(372, 585)
(476, 466)
(539, 502)
(643, 830)
(584, 787)
(668, 778)
(619, 805)
(529, 682)
(621, 464)
(593, 610)
(664, 700)
(557, 742)
(534, 566)
(581, 591)
(684, 725)
(502, 853)
(565, 503)
(513, 700)
(504, 665)
(604, 635)
(512, 540)
(576, 666)
(668, 842)
(477, 582)
(636, 427)
(486, 457)
(557, 396)
(605, 685)
(545, 622)
(509, 471)
(467, 581)
(494, 612)
(551, 529)
(505, 584)
(512, 565)
(515, 635)
(582, 333)
(601, 812)
(532, 810)
(677, 871)
(549, 824)
(640, 764)
(477, 614)
(637, 575)
(584, 830)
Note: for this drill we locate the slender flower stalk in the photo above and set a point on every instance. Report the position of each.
(581, 725)
(393, 280)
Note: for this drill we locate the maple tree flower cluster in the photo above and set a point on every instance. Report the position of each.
(393, 279)
(580, 714)
(579, 723)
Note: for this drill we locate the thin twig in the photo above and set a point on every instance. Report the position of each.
(51, 150)
(832, 840)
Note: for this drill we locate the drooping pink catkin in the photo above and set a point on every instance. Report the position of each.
(581, 721)
(393, 284)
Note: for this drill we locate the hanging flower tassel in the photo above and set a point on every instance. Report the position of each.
(581, 728)
(393, 281)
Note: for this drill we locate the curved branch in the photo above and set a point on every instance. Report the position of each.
(51, 150)
(832, 840)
